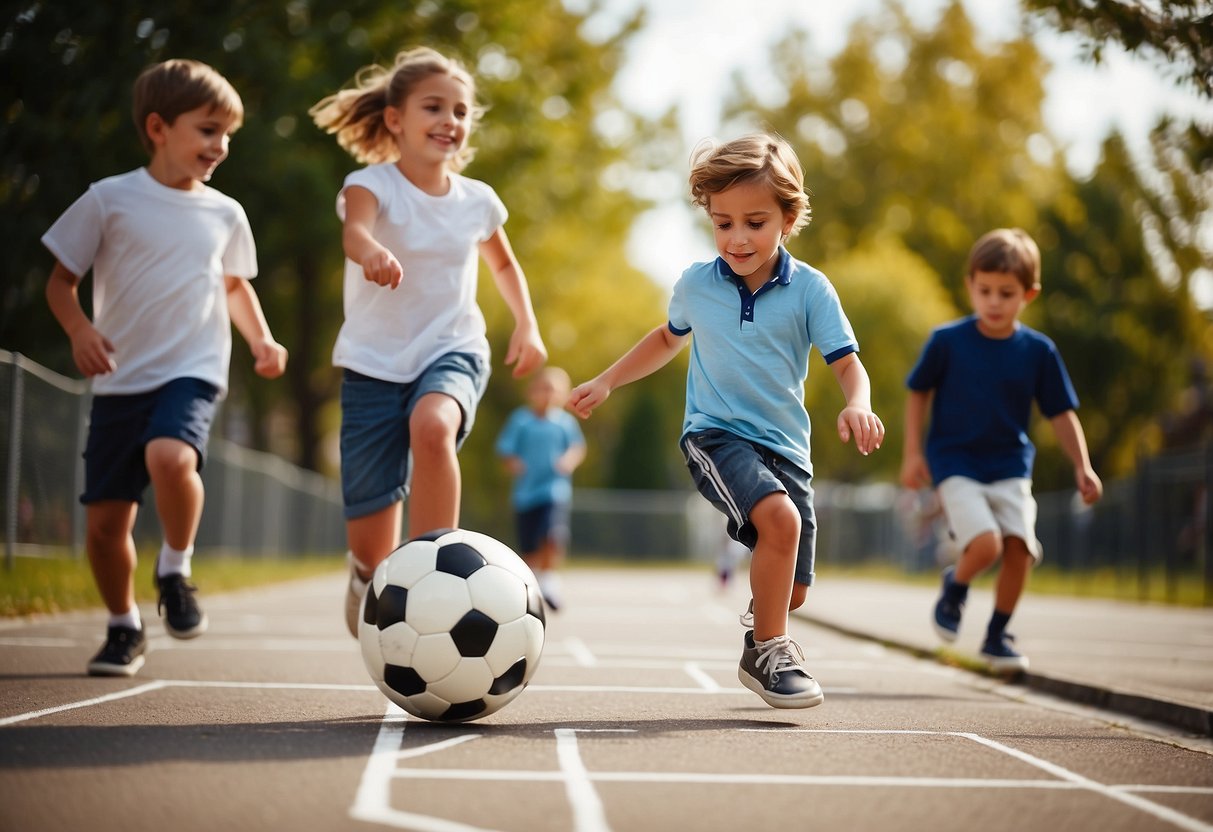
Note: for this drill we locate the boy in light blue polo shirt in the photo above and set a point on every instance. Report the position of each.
(755, 313)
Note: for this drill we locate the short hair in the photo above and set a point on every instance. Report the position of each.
(355, 114)
(177, 86)
(1010, 251)
(762, 158)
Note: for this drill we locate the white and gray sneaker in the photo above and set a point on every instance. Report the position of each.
(354, 593)
(747, 617)
(775, 671)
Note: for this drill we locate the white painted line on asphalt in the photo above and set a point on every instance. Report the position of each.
(1156, 810)
(1164, 789)
(580, 652)
(588, 814)
(705, 681)
(85, 703)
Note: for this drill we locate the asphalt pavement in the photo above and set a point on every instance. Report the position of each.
(1149, 661)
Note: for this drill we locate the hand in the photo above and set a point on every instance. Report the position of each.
(864, 425)
(914, 472)
(382, 268)
(586, 397)
(1089, 485)
(526, 350)
(269, 358)
(92, 352)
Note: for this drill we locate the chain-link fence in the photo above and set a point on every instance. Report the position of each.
(256, 503)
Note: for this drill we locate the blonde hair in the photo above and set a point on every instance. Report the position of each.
(761, 158)
(178, 86)
(1008, 250)
(355, 114)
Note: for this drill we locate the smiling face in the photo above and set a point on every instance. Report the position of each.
(749, 227)
(186, 152)
(431, 126)
(998, 298)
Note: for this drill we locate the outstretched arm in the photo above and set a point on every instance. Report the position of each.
(857, 418)
(526, 350)
(1074, 443)
(269, 357)
(651, 353)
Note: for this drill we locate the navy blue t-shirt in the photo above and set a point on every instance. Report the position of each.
(983, 393)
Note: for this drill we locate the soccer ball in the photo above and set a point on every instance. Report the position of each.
(452, 626)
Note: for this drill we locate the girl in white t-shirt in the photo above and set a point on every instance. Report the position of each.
(413, 349)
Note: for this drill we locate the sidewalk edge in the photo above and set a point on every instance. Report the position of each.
(1189, 718)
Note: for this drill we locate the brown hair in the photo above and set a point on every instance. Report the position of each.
(355, 114)
(759, 157)
(1007, 250)
(177, 86)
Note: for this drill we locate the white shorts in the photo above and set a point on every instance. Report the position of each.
(1006, 507)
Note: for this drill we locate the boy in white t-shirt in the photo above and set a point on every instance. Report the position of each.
(171, 261)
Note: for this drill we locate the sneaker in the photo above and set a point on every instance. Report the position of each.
(747, 617)
(775, 671)
(947, 611)
(182, 616)
(354, 593)
(121, 655)
(1004, 658)
(549, 588)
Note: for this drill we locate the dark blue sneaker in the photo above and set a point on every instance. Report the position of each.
(183, 618)
(121, 655)
(1004, 658)
(947, 610)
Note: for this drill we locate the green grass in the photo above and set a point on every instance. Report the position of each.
(49, 585)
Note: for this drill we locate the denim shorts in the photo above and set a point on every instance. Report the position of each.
(115, 467)
(375, 427)
(734, 474)
(539, 524)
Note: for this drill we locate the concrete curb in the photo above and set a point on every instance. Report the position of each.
(1188, 718)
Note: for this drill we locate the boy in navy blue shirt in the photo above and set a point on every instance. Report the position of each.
(755, 313)
(980, 376)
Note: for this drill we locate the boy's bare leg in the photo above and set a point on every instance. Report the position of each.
(978, 556)
(773, 565)
(434, 501)
(173, 467)
(1017, 563)
(111, 552)
(373, 537)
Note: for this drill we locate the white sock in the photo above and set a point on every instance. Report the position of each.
(357, 581)
(173, 561)
(130, 618)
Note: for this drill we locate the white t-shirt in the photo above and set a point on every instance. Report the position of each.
(159, 256)
(394, 334)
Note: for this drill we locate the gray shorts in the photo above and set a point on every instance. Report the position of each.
(375, 427)
(734, 474)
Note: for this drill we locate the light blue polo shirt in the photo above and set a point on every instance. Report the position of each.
(539, 441)
(750, 352)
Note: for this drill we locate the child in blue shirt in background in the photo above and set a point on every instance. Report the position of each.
(755, 313)
(980, 375)
(542, 445)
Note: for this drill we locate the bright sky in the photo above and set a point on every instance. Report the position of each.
(690, 48)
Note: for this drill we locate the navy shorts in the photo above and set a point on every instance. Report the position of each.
(120, 427)
(734, 474)
(537, 525)
(375, 427)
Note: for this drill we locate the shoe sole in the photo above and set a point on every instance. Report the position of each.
(107, 669)
(775, 700)
(1003, 665)
(944, 633)
(193, 632)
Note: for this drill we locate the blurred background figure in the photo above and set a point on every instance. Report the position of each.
(541, 445)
